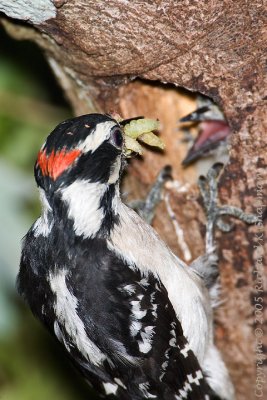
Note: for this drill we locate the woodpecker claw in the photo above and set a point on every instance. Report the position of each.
(238, 213)
(224, 226)
(146, 208)
(209, 189)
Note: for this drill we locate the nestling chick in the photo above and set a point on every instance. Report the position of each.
(213, 133)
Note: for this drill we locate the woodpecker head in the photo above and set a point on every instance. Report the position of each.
(87, 147)
(213, 134)
(77, 172)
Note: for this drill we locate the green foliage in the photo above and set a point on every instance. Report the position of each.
(32, 365)
(35, 368)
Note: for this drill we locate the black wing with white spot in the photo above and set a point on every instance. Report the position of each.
(122, 331)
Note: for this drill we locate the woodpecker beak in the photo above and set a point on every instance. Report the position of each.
(211, 135)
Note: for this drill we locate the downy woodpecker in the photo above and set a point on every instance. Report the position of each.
(134, 319)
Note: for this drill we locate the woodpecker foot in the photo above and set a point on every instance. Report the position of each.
(206, 266)
(146, 208)
(209, 189)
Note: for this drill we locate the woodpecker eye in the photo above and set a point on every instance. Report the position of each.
(116, 138)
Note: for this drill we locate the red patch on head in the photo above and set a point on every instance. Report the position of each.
(55, 163)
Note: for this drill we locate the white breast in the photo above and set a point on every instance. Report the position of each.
(137, 243)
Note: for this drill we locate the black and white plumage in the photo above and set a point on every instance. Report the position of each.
(134, 319)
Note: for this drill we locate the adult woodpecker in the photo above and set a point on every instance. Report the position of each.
(134, 319)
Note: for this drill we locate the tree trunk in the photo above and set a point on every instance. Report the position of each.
(129, 57)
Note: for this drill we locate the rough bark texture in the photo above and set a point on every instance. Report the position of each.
(97, 49)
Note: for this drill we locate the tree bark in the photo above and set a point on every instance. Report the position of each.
(129, 57)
